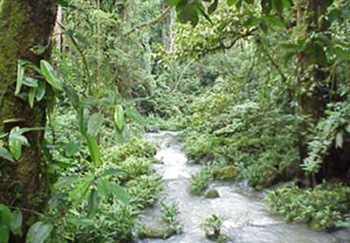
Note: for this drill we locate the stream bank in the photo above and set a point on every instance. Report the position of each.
(247, 218)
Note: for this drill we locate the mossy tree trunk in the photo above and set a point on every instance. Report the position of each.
(25, 25)
(314, 79)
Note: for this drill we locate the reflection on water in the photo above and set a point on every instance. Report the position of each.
(247, 219)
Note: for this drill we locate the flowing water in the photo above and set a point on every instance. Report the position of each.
(247, 218)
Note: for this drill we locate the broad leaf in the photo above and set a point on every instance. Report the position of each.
(102, 187)
(4, 234)
(94, 149)
(93, 202)
(81, 189)
(30, 82)
(4, 153)
(79, 221)
(16, 222)
(66, 181)
(50, 75)
(231, 2)
(72, 96)
(40, 91)
(172, 3)
(16, 141)
(119, 117)
(94, 124)
(134, 115)
(5, 215)
(117, 191)
(71, 148)
(38, 232)
(188, 13)
(213, 6)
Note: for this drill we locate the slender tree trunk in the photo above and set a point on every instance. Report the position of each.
(25, 26)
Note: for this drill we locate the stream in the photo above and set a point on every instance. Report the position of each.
(247, 218)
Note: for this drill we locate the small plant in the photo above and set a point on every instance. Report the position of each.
(170, 212)
(212, 226)
(200, 181)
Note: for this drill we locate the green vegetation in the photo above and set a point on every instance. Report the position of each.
(212, 227)
(324, 207)
(260, 90)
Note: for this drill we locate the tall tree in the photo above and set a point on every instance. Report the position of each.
(25, 27)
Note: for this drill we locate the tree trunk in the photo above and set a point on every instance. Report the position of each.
(25, 26)
(313, 78)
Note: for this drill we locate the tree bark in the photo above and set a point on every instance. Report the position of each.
(313, 78)
(25, 25)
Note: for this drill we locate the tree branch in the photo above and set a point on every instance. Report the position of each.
(151, 22)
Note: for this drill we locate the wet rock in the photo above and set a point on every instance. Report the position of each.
(226, 173)
(211, 194)
(161, 232)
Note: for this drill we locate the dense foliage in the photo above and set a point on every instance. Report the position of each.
(260, 88)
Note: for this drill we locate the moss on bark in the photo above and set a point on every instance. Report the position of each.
(24, 25)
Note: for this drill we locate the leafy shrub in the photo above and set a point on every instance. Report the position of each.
(200, 181)
(323, 207)
(199, 147)
(134, 167)
(136, 147)
(144, 190)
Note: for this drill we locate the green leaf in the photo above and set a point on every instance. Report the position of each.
(71, 148)
(134, 115)
(16, 222)
(4, 153)
(5, 221)
(231, 2)
(173, 3)
(79, 221)
(278, 6)
(38, 232)
(93, 202)
(4, 234)
(102, 188)
(72, 96)
(117, 191)
(40, 91)
(16, 141)
(213, 7)
(66, 181)
(20, 75)
(274, 21)
(119, 117)
(2, 135)
(342, 53)
(5, 215)
(188, 13)
(94, 124)
(266, 6)
(31, 97)
(30, 129)
(94, 149)
(50, 75)
(81, 189)
(81, 119)
(30, 82)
